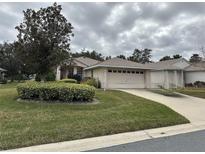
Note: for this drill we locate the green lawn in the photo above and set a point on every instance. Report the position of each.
(166, 92)
(196, 92)
(25, 123)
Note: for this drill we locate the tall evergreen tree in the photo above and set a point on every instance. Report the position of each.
(141, 56)
(43, 39)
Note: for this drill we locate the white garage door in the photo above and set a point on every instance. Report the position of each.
(191, 77)
(125, 79)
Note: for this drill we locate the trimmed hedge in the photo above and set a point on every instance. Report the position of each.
(68, 81)
(92, 82)
(55, 91)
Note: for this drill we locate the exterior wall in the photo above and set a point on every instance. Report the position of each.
(75, 70)
(167, 79)
(100, 74)
(147, 79)
(191, 77)
(157, 78)
(87, 73)
(172, 79)
(58, 73)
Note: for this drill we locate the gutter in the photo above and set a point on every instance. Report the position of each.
(96, 66)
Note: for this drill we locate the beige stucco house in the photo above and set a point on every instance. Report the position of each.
(74, 67)
(120, 73)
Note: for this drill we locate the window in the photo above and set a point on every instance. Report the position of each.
(114, 71)
(141, 72)
(124, 71)
(119, 71)
(133, 72)
(128, 71)
(109, 71)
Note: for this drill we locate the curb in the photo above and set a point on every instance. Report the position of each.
(112, 140)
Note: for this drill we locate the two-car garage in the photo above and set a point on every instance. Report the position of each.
(119, 73)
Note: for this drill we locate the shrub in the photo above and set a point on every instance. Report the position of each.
(68, 80)
(3, 81)
(92, 82)
(38, 77)
(199, 84)
(56, 91)
(50, 76)
(77, 77)
(189, 85)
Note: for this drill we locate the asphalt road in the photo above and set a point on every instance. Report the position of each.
(189, 142)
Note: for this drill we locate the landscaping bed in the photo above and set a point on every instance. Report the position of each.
(166, 92)
(196, 92)
(25, 124)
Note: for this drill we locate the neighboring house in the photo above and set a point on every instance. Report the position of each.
(168, 73)
(195, 72)
(2, 73)
(74, 67)
(120, 73)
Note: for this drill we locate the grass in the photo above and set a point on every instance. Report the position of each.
(25, 123)
(9, 85)
(165, 92)
(196, 92)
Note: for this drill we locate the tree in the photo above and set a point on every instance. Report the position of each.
(195, 58)
(91, 54)
(165, 58)
(141, 56)
(177, 56)
(108, 57)
(9, 61)
(121, 56)
(43, 39)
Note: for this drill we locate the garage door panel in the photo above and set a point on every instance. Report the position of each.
(125, 80)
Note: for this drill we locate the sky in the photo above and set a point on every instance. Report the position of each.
(119, 28)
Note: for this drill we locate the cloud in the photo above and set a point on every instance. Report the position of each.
(119, 28)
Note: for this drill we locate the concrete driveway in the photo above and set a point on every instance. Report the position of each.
(192, 108)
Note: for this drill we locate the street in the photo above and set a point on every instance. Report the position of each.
(189, 142)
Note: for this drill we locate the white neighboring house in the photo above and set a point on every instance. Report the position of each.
(2, 73)
(120, 73)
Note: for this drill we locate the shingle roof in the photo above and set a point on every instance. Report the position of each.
(165, 65)
(200, 66)
(119, 63)
(87, 61)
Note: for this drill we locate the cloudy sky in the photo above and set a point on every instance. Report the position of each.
(119, 28)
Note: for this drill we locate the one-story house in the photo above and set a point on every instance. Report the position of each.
(120, 73)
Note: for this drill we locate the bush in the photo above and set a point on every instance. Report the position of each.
(92, 82)
(68, 80)
(38, 77)
(3, 81)
(189, 85)
(56, 91)
(77, 77)
(50, 76)
(199, 84)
